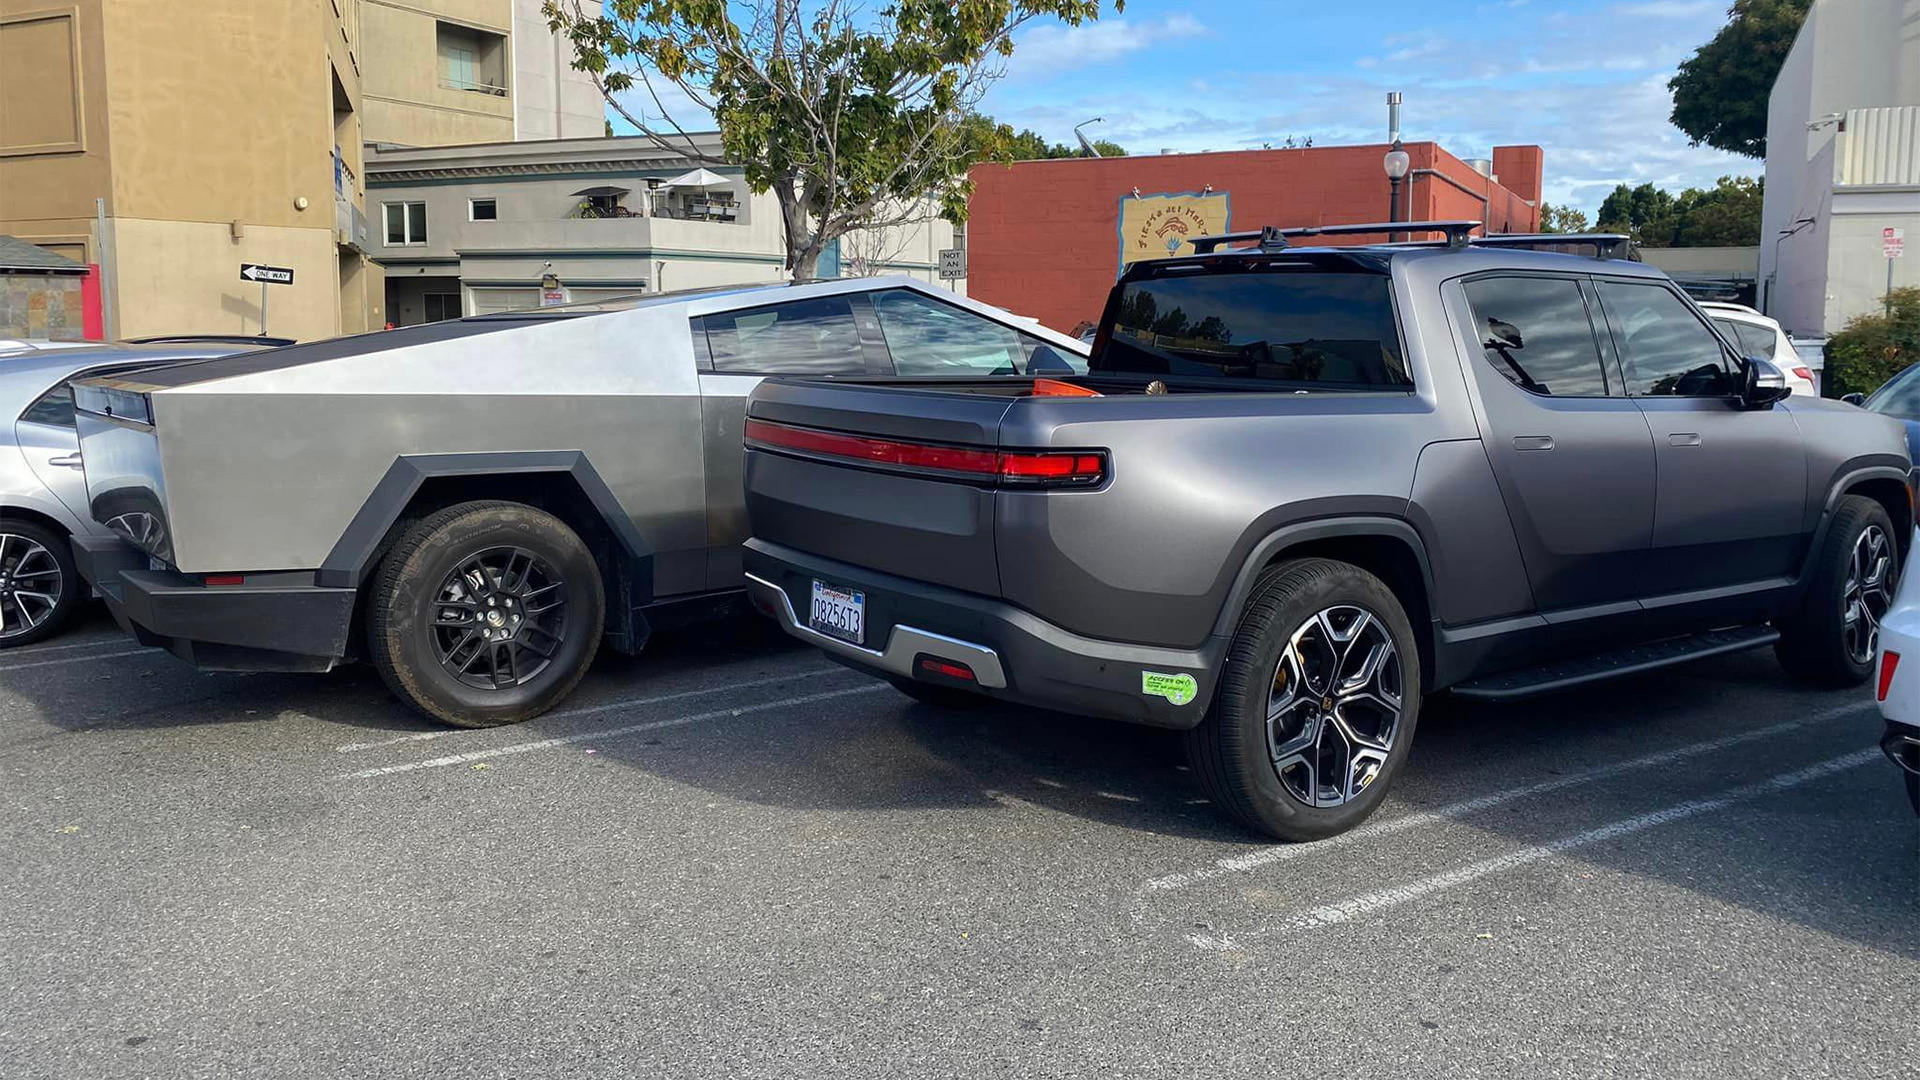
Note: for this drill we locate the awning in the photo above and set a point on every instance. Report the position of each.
(701, 179)
(605, 190)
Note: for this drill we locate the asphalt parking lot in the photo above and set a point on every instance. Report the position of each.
(733, 858)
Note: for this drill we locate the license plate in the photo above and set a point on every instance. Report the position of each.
(838, 612)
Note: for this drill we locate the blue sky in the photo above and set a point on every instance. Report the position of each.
(1585, 79)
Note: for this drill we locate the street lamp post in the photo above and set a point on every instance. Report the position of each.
(1773, 283)
(1395, 162)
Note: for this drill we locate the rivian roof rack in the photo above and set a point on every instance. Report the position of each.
(1604, 245)
(1274, 239)
(236, 339)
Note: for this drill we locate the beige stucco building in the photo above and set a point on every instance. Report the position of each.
(172, 142)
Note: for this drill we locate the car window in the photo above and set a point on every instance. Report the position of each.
(1900, 396)
(1756, 340)
(927, 337)
(1536, 332)
(1273, 325)
(805, 337)
(1665, 349)
(54, 408)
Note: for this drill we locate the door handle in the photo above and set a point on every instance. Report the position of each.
(1684, 438)
(1533, 442)
(71, 461)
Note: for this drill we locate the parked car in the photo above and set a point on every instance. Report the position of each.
(1898, 398)
(1754, 334)
(1314, 485)
(471, 504)
(43, 498)
(1898, 690)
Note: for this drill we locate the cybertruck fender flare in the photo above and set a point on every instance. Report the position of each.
(1301, 532)
(355, 553)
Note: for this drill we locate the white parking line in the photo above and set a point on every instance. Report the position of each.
(422, 736)
(1367, 903)
(35, 650)
(1280, 853)
(610, 733)
(77, 659)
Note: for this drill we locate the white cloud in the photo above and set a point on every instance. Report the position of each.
(1056, 47)
(1671, 9)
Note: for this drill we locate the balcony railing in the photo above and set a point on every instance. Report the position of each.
(473, 87)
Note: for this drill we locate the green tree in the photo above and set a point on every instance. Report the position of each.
(1725, 215)
(1720, 92)
(1562, 219)
(1646, 213)
(854, 118)
(1875, 347)
(1029, 145)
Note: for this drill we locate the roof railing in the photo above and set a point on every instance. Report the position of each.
(1458, 234)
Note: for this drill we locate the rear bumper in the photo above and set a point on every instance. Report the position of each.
(268, 627)
(1902, 745)
(1014, 655)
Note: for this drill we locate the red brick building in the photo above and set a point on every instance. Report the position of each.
(1043, 236)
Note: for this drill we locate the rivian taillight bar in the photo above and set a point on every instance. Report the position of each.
(1021, 468)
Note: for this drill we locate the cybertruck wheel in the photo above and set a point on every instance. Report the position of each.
(1832, 638)
(1316, 705)
(485, 613)
(39, 588)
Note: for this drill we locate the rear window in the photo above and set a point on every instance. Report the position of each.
(1272, 325)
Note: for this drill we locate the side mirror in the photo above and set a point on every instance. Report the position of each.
(1854, 399)
(1761, 383)
(1045, 360)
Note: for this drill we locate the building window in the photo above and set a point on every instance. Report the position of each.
(406, 223)
(482, 210)
(471, 59)
(441, 306)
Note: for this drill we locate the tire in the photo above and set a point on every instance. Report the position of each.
(428, 612)
(1913, 792)
(937, 697)
(1830, 640)
(1306, 613)
(39, 587)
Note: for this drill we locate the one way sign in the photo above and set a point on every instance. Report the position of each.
(266, 275)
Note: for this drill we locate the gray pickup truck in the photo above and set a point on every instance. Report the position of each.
(1301, 487)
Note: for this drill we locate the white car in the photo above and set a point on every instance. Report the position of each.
(1753, 334)
(1897, 685)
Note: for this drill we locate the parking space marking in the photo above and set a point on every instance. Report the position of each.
(35, 650)
(76, 659)
(422, 736)
(1422, 819)
(1380, 900)
(610, 733)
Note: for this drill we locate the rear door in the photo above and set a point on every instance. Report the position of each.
(1731, 495)
(51, 445)
(735, 350)
(1574, 457)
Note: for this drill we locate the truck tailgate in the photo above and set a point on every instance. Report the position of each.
(926, 529)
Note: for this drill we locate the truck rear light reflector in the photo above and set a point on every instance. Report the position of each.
(1888, 661)
(224, 579)
(1077, 467)
(935, 666)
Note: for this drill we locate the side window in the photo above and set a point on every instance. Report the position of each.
(54, 408)
(927, 337)
(1664, 347)
(1535, 331)
(805, 337)
(1757, 341)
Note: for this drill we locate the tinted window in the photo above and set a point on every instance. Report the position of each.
(1664, 347)
(1756, 340)
(806, 337)
(1900, 396)
(1536, 332)
(1265, 323)
(55, 407)
(927, 337)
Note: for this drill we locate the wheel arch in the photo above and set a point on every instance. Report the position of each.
(1887, 485)
(17, 512)
(562, 483)
(1388, 548)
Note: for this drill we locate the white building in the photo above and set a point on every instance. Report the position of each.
(1843, 164)
(465, 230)
(552, 100)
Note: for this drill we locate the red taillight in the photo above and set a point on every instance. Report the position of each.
(935, 666)
(1804, 373)
(224, 579)
(1888, 661)
(1078, 467)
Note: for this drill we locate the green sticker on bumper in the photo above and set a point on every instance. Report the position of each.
(1178, 689)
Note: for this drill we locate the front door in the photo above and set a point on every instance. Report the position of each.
(1730, 501)
(1574, 457)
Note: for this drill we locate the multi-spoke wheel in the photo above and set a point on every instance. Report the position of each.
(485, 613)
(38, 586)
(1334, 708)
(1833, 635)
(1316, 704)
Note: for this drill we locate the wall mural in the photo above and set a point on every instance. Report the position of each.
(1163, 225)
